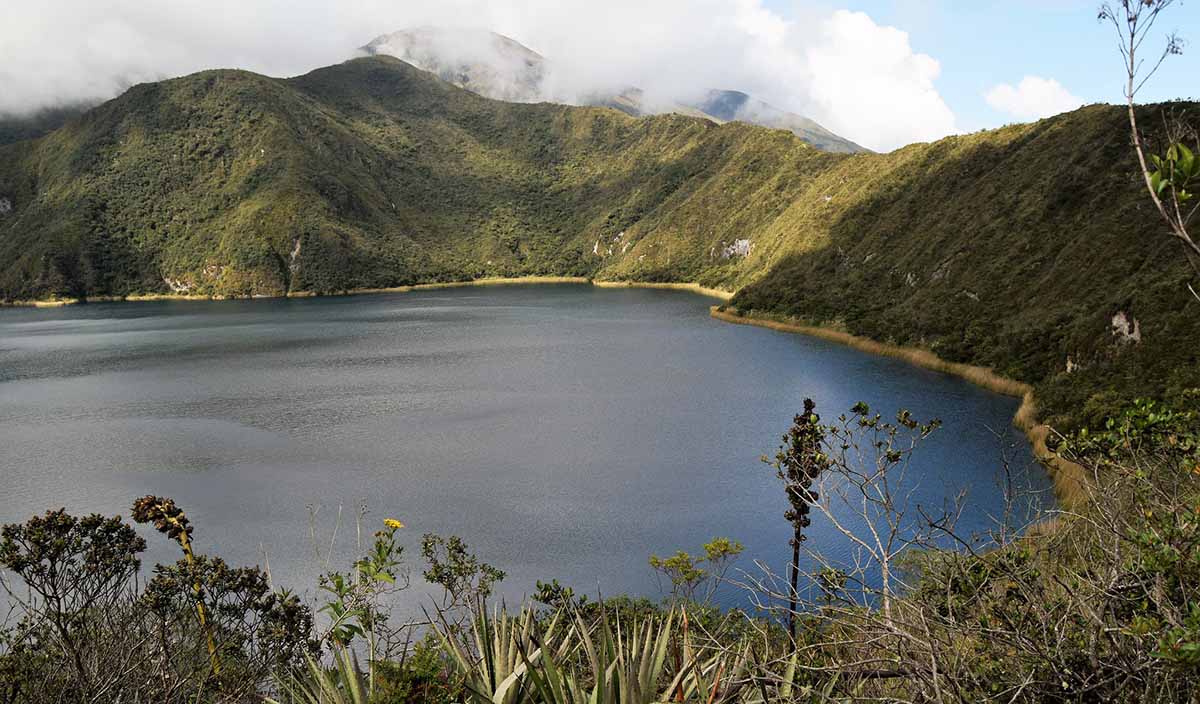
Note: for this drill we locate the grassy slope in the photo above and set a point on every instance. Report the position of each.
(1011, 248)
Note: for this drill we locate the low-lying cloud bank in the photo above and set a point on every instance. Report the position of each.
(856, 77)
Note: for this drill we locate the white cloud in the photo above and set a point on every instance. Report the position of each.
(866, 80)
(1033, 98)
(856, 77)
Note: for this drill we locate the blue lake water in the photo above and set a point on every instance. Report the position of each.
(563, 431)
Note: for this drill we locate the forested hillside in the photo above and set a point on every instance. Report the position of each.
(1029, 248)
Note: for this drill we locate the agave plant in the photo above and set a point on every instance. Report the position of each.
(512, 661)
(500, 653)
(345, 684)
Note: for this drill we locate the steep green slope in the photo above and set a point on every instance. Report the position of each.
(1015, 248)
(366, 174)
(1030, 249)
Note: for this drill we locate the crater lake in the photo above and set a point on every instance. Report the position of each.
(563, 431)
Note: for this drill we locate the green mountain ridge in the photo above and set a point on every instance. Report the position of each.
(1019, 248)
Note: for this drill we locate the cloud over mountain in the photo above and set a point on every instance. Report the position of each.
(843, 69)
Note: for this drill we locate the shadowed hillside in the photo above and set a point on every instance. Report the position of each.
(1031, 249)
(1017, 248)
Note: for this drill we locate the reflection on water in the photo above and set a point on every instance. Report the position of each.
(562, 431)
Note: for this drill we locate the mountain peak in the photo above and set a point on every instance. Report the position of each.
(499, 67)
(482, 61)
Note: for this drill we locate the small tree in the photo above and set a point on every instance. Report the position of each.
(465, 579)
(692, 575)
(1178, 170)
(800, 461)
(87, 631)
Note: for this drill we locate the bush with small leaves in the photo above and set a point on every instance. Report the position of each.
(462, 576)
(88, 632)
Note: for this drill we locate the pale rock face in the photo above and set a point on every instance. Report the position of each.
(608, 249)
(910, 280)
(177, 285)
(739, 248)
(1126, 328)
(6, 206)
(294, 264)
(1071, 365)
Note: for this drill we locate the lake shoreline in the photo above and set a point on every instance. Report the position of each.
(1068, 477)
(490, 281)
(691, 287)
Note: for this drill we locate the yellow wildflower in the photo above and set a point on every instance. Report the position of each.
(392, 523)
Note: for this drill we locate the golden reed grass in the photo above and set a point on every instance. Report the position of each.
(1070, 479)
(493, 281)
(694, 288)
(139, 297)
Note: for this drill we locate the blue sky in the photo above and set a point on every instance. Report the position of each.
(981, 43)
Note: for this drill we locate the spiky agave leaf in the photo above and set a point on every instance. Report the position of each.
(322, 686)
(502, 648)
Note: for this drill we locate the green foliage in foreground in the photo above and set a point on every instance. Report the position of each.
(88, 630)
(1098, 604)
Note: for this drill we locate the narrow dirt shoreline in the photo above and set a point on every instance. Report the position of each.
(694, 288)
(494, 281)
(1068, 477)
(138, 297)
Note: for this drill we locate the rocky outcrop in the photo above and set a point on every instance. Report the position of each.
(177, 285)
(1126, 328)
(739, 248)
(602, 251)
